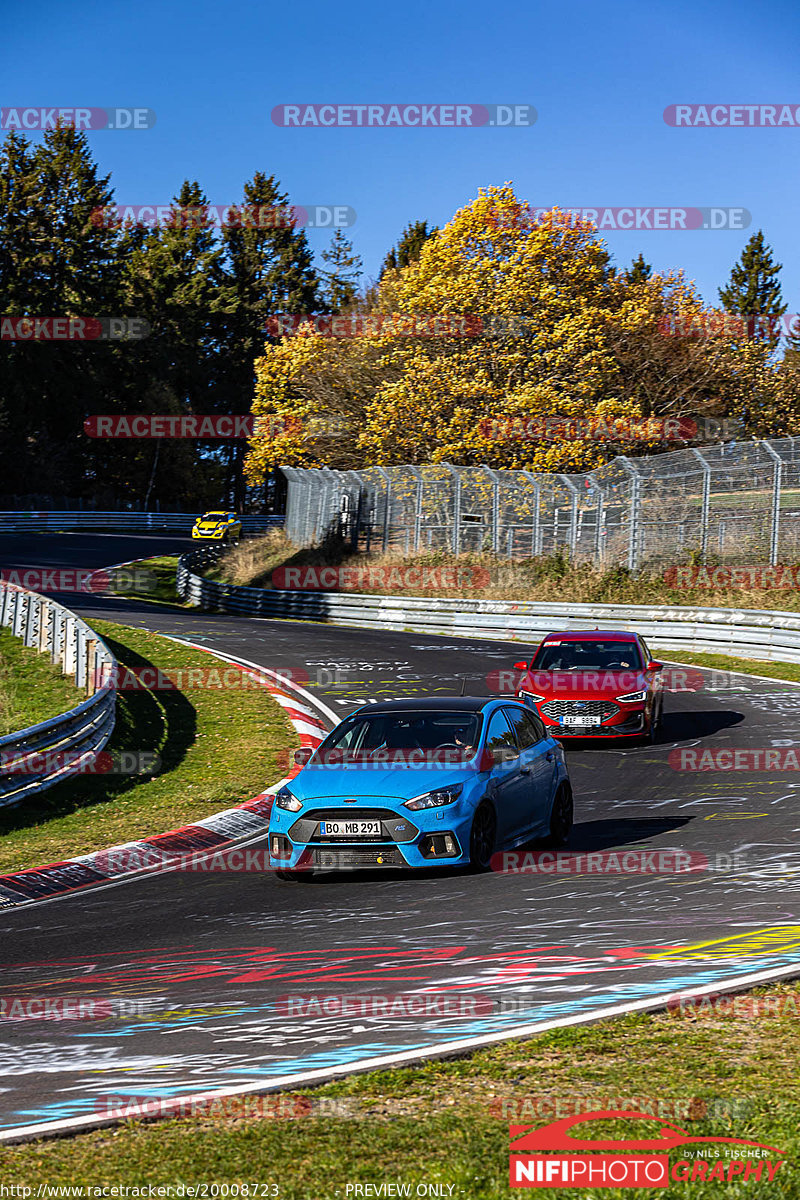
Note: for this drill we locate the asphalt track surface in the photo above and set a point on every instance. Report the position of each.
(211, 955)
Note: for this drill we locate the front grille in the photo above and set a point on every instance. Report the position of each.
(580, 708)
(394, 827)
(336, 858)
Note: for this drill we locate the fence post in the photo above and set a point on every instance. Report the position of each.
(573, 516)
(456, 474)
(91, 666)
(537, 493)
(706, 504)
(634, 515)
(386, 506)
(415, 471)
(599, 517)
(31, 613)
(775, 527)
(44, 626)
(495, 478)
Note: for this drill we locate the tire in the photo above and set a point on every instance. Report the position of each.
(651, 737)
(561, 817)
(482, 838)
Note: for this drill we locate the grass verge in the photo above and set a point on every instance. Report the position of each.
(217, 748)
(447, 1122)
(149, 579)
(32, 689)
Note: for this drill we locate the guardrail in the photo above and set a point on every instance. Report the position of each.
(132, 522)
(750, 633)
(42, 755)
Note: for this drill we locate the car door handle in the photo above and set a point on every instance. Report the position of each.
(549, 756)
(525, 770)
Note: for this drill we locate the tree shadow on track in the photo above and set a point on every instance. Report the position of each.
(676, 727)
(615, 832)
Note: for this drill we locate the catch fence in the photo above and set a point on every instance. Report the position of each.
(738, 502)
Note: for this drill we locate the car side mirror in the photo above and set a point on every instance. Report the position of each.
(504, 754)
(302, 755)
(520, 666)
(655, 666)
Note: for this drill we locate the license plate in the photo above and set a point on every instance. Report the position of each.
(350, 828)
(578, 720)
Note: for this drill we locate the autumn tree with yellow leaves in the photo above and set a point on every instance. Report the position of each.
(549, 331)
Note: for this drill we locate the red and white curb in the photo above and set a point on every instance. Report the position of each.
(222, 830)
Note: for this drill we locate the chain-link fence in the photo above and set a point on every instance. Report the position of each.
(736, 501)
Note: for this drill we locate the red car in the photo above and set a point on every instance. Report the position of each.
(594, 684)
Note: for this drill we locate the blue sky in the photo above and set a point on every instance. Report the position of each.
(599, 75)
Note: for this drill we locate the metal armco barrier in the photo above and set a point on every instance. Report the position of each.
(751, 633)
(129, 522)
(66, 743)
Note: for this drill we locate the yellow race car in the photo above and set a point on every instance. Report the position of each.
(218, 527)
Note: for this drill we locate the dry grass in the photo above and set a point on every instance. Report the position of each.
(488, 576)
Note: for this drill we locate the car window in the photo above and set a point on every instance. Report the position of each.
(586, 655)
(527, 726)
(406, 731)
(500, 732)
(522, 732)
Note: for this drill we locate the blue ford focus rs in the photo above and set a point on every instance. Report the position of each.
(421, 783)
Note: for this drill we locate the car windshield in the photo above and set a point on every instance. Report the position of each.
(587, 656)
(216, 516)
(403, 736)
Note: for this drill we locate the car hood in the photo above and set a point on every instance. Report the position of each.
(583, 685)
(361, 779)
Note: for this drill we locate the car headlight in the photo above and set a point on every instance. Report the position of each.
(285, 799)
(634, 697)
(436, 798)
(530, 695)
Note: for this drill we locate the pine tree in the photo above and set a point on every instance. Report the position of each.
(55, 261)
(409, 247)
(174, 280)
(639, 270)
(340, 283)
(754, 289)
